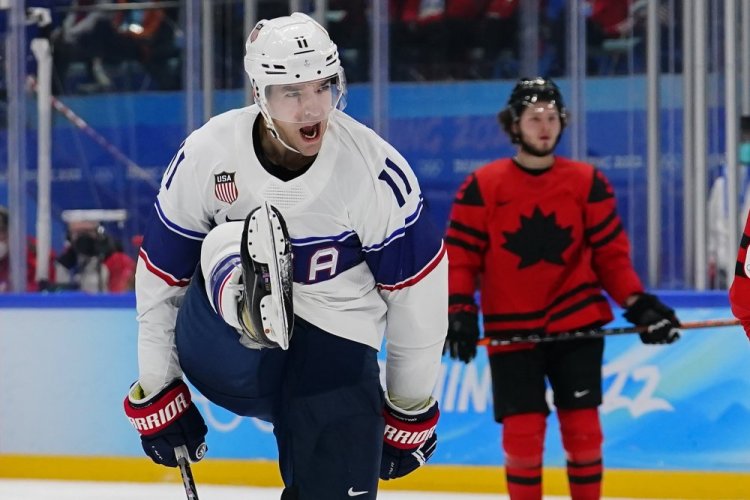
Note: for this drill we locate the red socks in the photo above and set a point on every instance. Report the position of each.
(523, 442)
(582, 439)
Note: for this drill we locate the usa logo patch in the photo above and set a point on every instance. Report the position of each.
(225, 188)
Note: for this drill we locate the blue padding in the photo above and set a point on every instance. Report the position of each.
(673, 298)
(684, 298)
(688, 299)
(67, 300)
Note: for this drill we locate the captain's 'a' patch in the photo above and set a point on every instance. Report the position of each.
(225, 188)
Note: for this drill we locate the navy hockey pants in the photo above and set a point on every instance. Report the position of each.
(323, 396)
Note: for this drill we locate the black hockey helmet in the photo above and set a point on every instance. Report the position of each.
(529, 91)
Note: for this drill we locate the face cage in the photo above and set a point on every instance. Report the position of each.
(338, 101)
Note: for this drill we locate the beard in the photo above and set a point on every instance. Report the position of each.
(538, 152)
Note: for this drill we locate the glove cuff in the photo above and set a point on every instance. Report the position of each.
(643, 303)
(463, 308)
(406, 430)
(154, 413)
(423, 408)
(458, 303)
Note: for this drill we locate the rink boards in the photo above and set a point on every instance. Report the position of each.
(674, 417)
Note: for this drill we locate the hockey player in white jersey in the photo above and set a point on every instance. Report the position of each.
(293, 176)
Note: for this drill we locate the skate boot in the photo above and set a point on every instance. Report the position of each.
(265, 309)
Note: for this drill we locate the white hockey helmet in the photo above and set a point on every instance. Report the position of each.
(292, 50)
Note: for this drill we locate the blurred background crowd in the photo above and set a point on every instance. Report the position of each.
(130, 79)
(101, 47)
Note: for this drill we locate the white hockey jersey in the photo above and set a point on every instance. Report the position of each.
(368, 261)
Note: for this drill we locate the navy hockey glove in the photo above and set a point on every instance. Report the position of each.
(463, 333)
(649, 311)
(409, 439)
(167, 419)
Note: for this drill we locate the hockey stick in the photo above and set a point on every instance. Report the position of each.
(82, 125)
(599, 333)
(186, 473)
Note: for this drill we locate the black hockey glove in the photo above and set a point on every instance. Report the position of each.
(409, 439)
(661, 321)
(463, 333)
(167, 419)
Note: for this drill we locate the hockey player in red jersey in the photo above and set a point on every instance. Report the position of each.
(540, 237)
(739, 293)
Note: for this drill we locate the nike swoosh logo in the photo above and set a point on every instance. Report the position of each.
(501, 203)
(353, 493)
(580, 394)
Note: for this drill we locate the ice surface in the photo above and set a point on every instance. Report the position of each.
(12, 489)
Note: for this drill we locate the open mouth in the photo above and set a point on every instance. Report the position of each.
(310, 133)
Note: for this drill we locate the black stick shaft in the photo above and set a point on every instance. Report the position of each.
(186, 473)
(599, 333)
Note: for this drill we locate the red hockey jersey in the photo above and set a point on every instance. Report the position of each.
(540, 246)
(739, 293)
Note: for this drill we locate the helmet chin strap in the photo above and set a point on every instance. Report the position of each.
(275, 134)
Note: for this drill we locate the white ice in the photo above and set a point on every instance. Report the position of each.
(13, 489)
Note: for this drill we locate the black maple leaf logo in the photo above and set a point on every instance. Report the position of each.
(539, 238)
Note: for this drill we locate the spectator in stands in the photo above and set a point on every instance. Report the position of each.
(616, 35)
(347, 22)
(148, 36)
(103, 39)
(79, 39)
(415, 38)
(431, 40)
(229, 44)
(611, 18)
(499, 34)
(31, 284)
(609, 34)
(552, 28)
(93, 261)
(498, 46)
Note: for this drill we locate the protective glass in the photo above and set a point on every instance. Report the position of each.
(307, 102)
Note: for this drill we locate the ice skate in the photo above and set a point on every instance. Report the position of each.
(265, 309)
